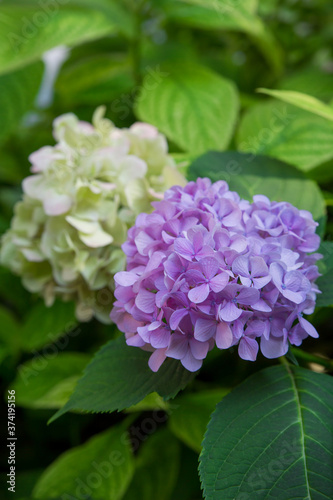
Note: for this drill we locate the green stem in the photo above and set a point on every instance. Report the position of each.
(312, 358)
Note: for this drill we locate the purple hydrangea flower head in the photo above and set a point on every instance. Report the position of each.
(207, 268)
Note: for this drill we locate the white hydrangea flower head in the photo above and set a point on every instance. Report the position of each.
(85, 192)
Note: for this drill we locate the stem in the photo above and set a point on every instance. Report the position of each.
(312, 358)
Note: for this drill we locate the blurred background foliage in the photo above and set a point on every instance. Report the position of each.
(113, 47)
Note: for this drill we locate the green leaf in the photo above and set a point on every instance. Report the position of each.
(11, 171)
(43, 325)
(189, 418)
(95, 79)
(17, 94)
(12, 292)
(250, 175)
(286, 133)
(227, 15)
(101, 468)
(271, 437)
(302, 101)
(309, 80)
(9, 334)
(116, 13)
(27, 31)
(156, 469)
(151, 402)
(194, 107)
(47, 380)
(119, 377)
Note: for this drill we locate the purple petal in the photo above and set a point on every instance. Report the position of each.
(199, 294)
(199, 349)
(204, 329)
(125, 278)
(293, 280)
(310, 329)
(258, 267)
(197, 241)
(135, 341)
(261, 282)
(184, 248)
(277, 272)
(160, 338)
(245, 281)
(145, 301)
(229, 312)
(178, 346)
(156, 359)
(142, 241)
(240, 266)
(190, 363)
(209, 267)
(219, 282)
(176, 317)
(295, 297)
(248, 296)
(248, 349)
(224, 337)
(261, 305)
(311, 243)
(274, 347)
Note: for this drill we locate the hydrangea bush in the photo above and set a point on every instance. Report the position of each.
(83, 195)
(208, 268)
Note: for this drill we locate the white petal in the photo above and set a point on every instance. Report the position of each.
(98, 239)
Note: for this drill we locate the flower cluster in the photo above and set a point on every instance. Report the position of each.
(209, 268)
(85, 192)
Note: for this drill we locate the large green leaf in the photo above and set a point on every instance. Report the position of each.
(94, 80)
(156, 469)
(226, 15)
(119, 377)
(325, 282)
(27, 31)
(17, 94)
(99, 469)
(194, 107)
(303, 101)
(43, 325)
(250, 175)
(190, 415)
(47, 380)
(272, 437)
(287, 133)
